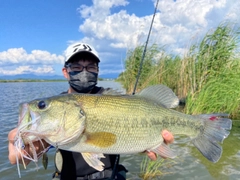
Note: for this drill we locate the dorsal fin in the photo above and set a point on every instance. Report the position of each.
(161, 95)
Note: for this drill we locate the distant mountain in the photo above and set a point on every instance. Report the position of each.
(32, 76)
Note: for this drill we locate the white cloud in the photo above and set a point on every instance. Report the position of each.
(175, 25)
(111, 29)
(18, 61)
(100, 9)
(20, 56)
(121, 29)
(27, 69)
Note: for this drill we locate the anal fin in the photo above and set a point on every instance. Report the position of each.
(164, 151)
(93, 160)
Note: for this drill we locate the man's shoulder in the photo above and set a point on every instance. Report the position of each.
(64, 92)
(97, 90)
(108, 91)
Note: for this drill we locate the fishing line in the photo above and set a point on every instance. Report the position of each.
(145, 49)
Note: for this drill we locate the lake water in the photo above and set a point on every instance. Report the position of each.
(190, 164)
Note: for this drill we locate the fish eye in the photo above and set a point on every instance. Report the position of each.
(41, 104)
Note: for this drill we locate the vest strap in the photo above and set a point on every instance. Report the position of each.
(98, 175)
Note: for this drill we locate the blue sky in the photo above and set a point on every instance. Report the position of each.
(35, 34)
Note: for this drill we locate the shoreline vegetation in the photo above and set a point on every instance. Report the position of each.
(206, 79)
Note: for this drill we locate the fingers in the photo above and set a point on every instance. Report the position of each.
(45, 144)
(13, 154)
(11, 148)
(151, 155)
(11, 135)
(39, 147)
(167, 136)
(168, 139)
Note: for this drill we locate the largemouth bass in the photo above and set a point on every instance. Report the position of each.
(118, 124)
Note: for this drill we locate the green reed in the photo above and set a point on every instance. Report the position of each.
(150, 170)
(215, 80)
(203, 76)
(132, 65)
(219, 94)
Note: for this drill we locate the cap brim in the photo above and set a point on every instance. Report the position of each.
(81, 52)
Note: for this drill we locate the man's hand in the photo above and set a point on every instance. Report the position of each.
(168, 139)
(27, 150)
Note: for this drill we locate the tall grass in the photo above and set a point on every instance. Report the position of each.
(150, 170)
(132, 65)
(215, 51)
(208, 74)
(219, 94)
(215, 77)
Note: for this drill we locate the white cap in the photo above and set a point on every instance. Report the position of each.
(78, 48)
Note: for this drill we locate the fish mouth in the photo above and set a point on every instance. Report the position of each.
(28, 116)
(26, 135)
(23, 109)
(27, 123)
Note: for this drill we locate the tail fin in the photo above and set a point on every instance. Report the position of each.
(215, 131)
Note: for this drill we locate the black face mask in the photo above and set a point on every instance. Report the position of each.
(83, 81)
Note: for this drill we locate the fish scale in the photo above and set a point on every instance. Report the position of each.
(132, 128)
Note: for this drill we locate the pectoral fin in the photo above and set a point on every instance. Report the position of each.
(93, 160)
(101, 139)
(164, 151)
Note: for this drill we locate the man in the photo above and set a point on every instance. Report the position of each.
(81, 70)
